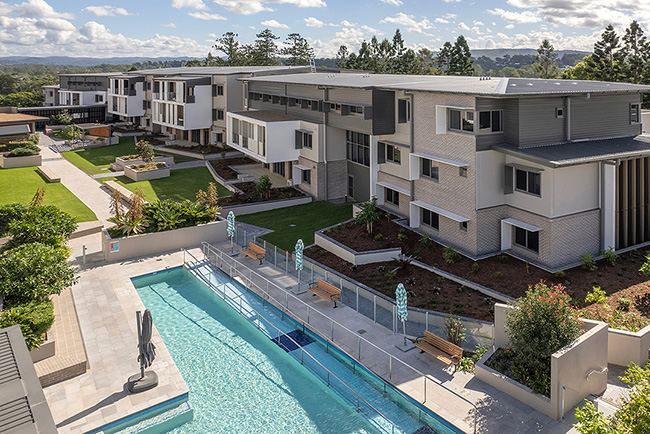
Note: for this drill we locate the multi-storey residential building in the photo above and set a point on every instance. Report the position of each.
(83, 89)
(546, 170)
(51, 93)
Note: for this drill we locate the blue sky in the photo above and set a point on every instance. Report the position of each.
(154, 28)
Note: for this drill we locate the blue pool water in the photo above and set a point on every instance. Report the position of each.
(242, 381)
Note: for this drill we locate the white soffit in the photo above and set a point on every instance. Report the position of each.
(440, 211)
(301, 167)
(439, 159)
(394, 187)
(522, 225)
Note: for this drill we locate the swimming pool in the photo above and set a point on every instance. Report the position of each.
(241, 380)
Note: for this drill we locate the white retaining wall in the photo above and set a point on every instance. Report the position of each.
(251, 208)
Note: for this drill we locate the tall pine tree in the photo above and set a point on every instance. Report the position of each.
(461, 59)
(545, 62)
(298, 50)
(637, 52)
(607, 61)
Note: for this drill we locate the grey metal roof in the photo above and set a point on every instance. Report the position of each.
(216, 70)
(568, 154)
(493, 86)
(12, 130)
(23, 408)
(266, 116)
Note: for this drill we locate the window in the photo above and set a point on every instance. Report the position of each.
(51, 93)
(219, 137)
(99, 98)
(392, 196)
(261, 139)
(403, 111)
(235, 131)
(279, 168)
(462, 171)
(430, 218)
(559, 112)
(527, 239)
(393, 154)
(358, 147)
(428, 170)
(220, 115)
(635, 109)
(304, 139)
(461, 120)
(335, 107)
(529, 182)
(306, 176)
(356, 109)
(490, 121)
(190, 91)
(219, 90)
(463, 226)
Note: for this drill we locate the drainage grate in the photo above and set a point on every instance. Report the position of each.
(289, 345)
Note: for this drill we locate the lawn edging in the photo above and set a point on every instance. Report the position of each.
(155, 243)
(252, 208)
(220, 180)
(352, 256)
(576, 369)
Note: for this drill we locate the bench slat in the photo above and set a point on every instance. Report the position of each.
(439, 348)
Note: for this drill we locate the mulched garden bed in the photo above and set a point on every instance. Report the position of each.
(252, 196)
(223, 169)
(511, 276)
(200, 149)
(425, 289)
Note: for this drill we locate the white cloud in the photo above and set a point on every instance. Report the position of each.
(206, 16)
(451, 1)
(106, 11)
(463, 26)
(409, 22)
(275, 24)
(35, 9)
(478, 23)
(346, 23)
(449, 16)
(313, 22)
(249, 7)
(352, 37)
(516, 17)
(393, 2)
(192, 4)
(441, 21)
(171, 25)
(510, 26)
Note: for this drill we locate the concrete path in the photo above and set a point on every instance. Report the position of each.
(92, 193)
(189, 164)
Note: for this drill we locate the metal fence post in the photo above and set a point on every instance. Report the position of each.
(286, 265)
(275, 255)
(357, 290)
(245, 238)
(426, 321)
(374, 308)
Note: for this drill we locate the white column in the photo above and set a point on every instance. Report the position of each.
(609, 205)
(414, 215)
(506, 236)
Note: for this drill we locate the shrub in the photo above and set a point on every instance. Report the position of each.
(467, 363)
(145, 150)
(542, 322)
(45, 224)
(34, 271)
(597, 295)
(379, 237)
(498, 275)
(475, 268)
(72, 133)
(588, 262)
(263, 186)
(9, 213)
(403, 261)
(645, 268)
(63, 118)
(401, 234)
(609, 256)
(35, 138)
(426, 240)
(454, 330)
(559, 274)
(502, 258)
(450, 255)
(368, 214)
(23, 152)
(34, 318)
(624, 303)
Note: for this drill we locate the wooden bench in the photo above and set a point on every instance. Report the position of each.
(439, 348)
(125, 193)
(49, 174)
(255, 251)
(326, 291)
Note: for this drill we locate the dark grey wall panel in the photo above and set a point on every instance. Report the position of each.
(383, 112)
(361, 176)
(602, 116)
(352, 96)
(511, 121)
(537, 122)
(305, 114)
(485, 141)
(312, 92)
(350, 122)
(489, 104)
(273, 88)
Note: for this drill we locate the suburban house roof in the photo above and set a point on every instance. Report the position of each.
(265, 116)
(13, 118)
(23, 408)
(572, 153)
(489, 86)
(216, 70)
(14, 130)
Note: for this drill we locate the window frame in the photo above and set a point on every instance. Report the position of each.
(530, 239)
(636, 118)
(391, 196)
(465, 117)
(220, 89)
(393, 154)
(431, 219)
(528, 178)
(306, 176)
(430, 175)
(491, 128)
(559, 112)
(403, 110)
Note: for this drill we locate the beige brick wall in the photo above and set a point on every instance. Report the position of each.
(403, 209)
(317, 186)
(337, 179)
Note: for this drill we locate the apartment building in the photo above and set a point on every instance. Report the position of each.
(83, 89)
(51, 93)
(545, 170)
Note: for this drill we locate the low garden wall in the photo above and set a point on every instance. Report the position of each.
(220, 180)
(146, 175)
(120, 249)
(577, 370)
(15, 162)
(120, 163)
(625, 347)
(352, 256)
(251, 208)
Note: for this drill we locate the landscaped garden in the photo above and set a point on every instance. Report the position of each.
(210, 148)
(624, 301)
(95, 161)
(222, 166)
(297, 222)
(20, 185)
(181, 185)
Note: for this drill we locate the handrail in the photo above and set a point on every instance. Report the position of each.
(221, 254)
(280, 332)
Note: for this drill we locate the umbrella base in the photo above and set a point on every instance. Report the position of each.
(137, 383)
(408, 347)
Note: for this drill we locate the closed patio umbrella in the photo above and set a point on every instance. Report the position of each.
(145, 380)
(300, 247)
(231, 228)
(402, 311)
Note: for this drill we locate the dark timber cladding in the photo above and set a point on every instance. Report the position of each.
(383, 112)
(632, 199)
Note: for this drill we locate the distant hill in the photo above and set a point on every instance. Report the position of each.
(83, 61)
(500, 52)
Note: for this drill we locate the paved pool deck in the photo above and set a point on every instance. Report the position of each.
(106, 302)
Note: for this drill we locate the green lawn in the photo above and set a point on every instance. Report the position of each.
(182, 184)
(94, 161)
(20, 185)
(307, 218)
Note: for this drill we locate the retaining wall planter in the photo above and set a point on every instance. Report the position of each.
(120, 163)
(625, 347)
(146, 175)
(220, 180)
(352, 256)
(251, 208)
(577, 370)
(120, 249)
(15, 162)
(46, 350)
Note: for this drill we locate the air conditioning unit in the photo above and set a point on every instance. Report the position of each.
(289, 182)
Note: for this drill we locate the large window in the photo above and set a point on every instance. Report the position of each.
(306, 176)
(393, 154)
(489, 121)
(392, 196)
(304, 139)
(261, 139)
(529, 182)
(403, 111)
(235, 131)
(527, 239)
(429, 170)
(358, 147)
(430, 218)
(461, 120)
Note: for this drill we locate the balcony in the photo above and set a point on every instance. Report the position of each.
(166, 96)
